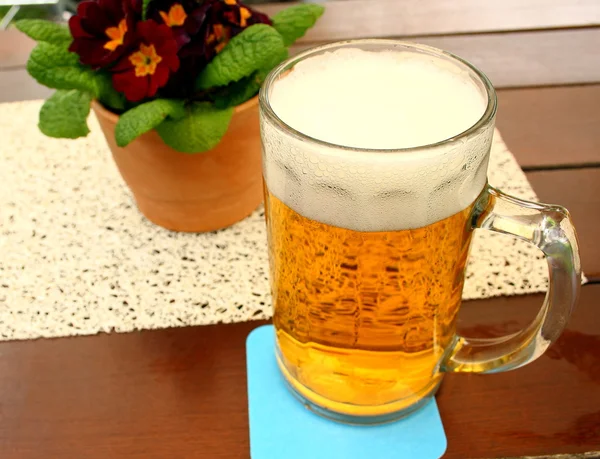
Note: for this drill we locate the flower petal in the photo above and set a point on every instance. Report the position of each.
(134, 88)
(75, 27)
(152, 85)
(154, 52)
(161, 77)
(113, 8)
(95, 19)
(93, 30)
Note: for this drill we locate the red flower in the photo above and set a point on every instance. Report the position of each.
(209, 27)
(179, 16)
(224, 20)
(101, 32)
(242, 16)
(176, 15)
(140, 73)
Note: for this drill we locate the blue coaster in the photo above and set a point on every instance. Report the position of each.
(281, 427)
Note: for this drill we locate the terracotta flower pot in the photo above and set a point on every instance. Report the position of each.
(201, 192)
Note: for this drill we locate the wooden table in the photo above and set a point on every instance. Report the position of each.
(181, 393)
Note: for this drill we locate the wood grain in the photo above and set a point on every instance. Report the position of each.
(530, 58)
(589, 455)
(181, 393)
(551, 406)
(391, 18)
(579, 191)
(522, 59)
(546, 127)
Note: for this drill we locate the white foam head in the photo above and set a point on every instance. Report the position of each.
(391, 99)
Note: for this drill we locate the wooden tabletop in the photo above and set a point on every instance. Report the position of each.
(181, 393)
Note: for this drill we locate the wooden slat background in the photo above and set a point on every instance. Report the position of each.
(517, 43)
(520, 59)
(530, 58)
(344, 19)
(577, 190)
(551, 127)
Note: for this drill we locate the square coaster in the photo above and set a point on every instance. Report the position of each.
(281, 427)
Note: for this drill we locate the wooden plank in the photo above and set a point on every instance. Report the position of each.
(530, 58)
(524, 58)
(563, 386)
(392, 18)
(590, 455)
(579, 191)
(546, 127)
(14, 49)
(17, 85)
(182, 392)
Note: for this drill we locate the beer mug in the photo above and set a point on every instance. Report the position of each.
(372, 194)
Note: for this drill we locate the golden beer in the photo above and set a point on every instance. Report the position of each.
(364, 318)
(368, 242)
(375, 157)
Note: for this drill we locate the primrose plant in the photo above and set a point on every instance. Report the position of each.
(177, 66)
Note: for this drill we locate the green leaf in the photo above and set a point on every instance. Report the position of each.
(200, 130)
(292, 23)
(57, 68)
(145, 5)
(107, 94)
(46, 31)
(251, 49)
(65, 114)
(239, 92)
(146, 117)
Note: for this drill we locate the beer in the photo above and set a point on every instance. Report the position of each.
(367, 245)
(363, 318)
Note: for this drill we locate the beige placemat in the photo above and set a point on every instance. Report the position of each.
(77, 258)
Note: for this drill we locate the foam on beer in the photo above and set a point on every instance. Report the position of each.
(376, 100)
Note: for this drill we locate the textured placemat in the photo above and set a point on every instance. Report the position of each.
(76, 257)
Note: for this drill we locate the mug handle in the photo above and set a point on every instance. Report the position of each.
(550, 228)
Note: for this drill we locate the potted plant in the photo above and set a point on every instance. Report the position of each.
(174, 85)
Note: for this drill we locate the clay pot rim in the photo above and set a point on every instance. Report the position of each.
(113, 117)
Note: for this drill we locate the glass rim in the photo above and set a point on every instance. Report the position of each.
(484, 120)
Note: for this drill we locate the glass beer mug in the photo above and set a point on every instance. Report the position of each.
(375, 156)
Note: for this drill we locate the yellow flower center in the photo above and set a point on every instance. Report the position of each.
(145, 60)
(175, 17)
(244, 15)
(231, 2)
(220, 35)
(116, 35)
